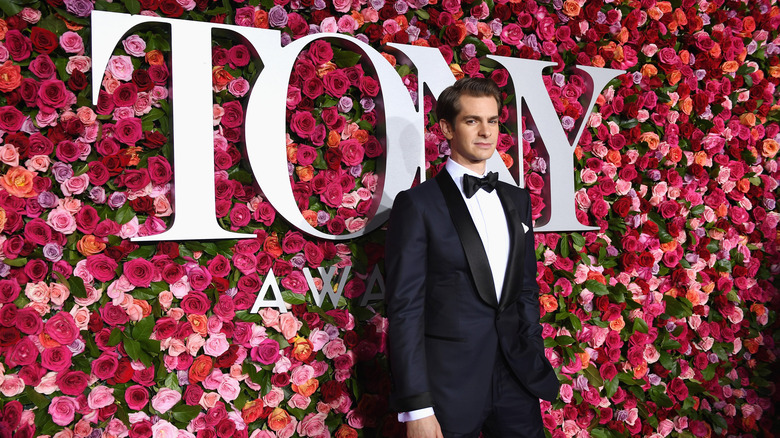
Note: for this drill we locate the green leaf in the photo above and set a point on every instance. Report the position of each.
(115, 337)
(611, 386)
(422, 14)
(36, 398)
(133, 6)
(565, 340)
(698, 210)
(678, 307)
(596, 287)
(577, 239)
(10, 8)
(293, 298)
(17, 263)
(77, 288)
(185, 413)
(640, 325)
(670, 344)
(144, 251)
(601, 433)
(564, 246)
(133, 348)
(245, 316)
(143, 328)
(345, 58)
(593, 376)
(124, 214)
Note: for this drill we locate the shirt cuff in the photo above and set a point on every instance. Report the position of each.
(416, 414)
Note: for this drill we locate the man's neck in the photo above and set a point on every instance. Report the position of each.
(476, 167)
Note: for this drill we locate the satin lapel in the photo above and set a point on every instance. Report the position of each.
(469, 239)
(513, 279)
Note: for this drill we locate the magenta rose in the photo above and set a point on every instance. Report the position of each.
(266, 353)
(129, 131)
(352, 152)
(101, 267)
(105, 366)
(53, 94)
(199, 278)
(196, 303)
(139, 272)
(136, 179)
(313, 254)
(28, 321)
(9, 290)
(125, 94)
(234, 114)
(72, 382)
(22, 353)
(292, 242)
(18, 45)
(333, 195)
(320, 52)
(56, 358)
(336, 83)
(137, 397)
(159, 170)
(302, 123)
(62, 328)
(113, 315)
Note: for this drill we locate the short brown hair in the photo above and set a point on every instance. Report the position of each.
(448, 104)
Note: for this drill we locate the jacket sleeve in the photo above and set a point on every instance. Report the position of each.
(406, 264)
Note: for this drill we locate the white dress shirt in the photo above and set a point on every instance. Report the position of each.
(490, 220)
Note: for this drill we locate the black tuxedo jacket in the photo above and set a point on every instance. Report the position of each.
(446, 326)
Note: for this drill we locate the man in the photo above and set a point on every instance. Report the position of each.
(465, 345)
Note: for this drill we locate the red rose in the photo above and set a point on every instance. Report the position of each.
(171, 8)
(11, 119)
(105, 366)
(369, 86)
(105, 104)
(78, 81)
(159, 74)
(98, 173)
(142, 80)
(22, 353)
(239, 55)
(139, 272)
(125, 94)
(336, 83)
(622, 206)
(302, 123)
(124, 372)
(43, 40)
(677, 389)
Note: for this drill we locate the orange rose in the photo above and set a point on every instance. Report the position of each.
(310, 217)
(507, 159)
(334, 139)
(271, 246)
(3, 218)
(593, 275)
(305, 173)
(345, 431)
(220, 77)
(674, 155)
(390, 58)
(360, 135)
(292, 153)
(144, 305)
(457, 71)
(549, 303)
(19, 182)
(200, 369)
(308, 388)
(651, 138)
(769, 148)
(617, 324)
(10, 77)
(649, 70)
(571, 8)
(90, 245)
(155, 57)
(278, 420)
(199, 324)
(747, 119)
(303, 350)
(261, 19)
(252, 410)
(326, 68)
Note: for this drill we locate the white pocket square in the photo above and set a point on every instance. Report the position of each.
(525, 228)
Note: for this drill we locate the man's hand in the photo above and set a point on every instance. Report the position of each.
(427, 427)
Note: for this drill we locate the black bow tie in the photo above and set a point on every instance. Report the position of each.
(472, 183)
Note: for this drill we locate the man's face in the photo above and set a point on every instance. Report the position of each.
(473, 135)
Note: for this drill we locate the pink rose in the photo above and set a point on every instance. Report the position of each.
(102, 267)
(63, 410)
(76, 185)
(71, 42)
(56, 358)
(159, 170)
(23, 353)
(72, 382)
(53, 94)
(165, 399)
(196, 303)
(199, 277)
(336, 83)
(312, 425)
(134, 46)
(121, 67)
(352, 152)
(302, 123)
(105, 366)
(100, 397)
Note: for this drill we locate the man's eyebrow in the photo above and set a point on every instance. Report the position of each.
(474, 116)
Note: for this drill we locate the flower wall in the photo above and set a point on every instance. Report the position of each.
(660, 323)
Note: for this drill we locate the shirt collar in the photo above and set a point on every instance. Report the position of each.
(457, 171)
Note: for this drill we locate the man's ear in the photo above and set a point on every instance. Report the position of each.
(446, 129)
